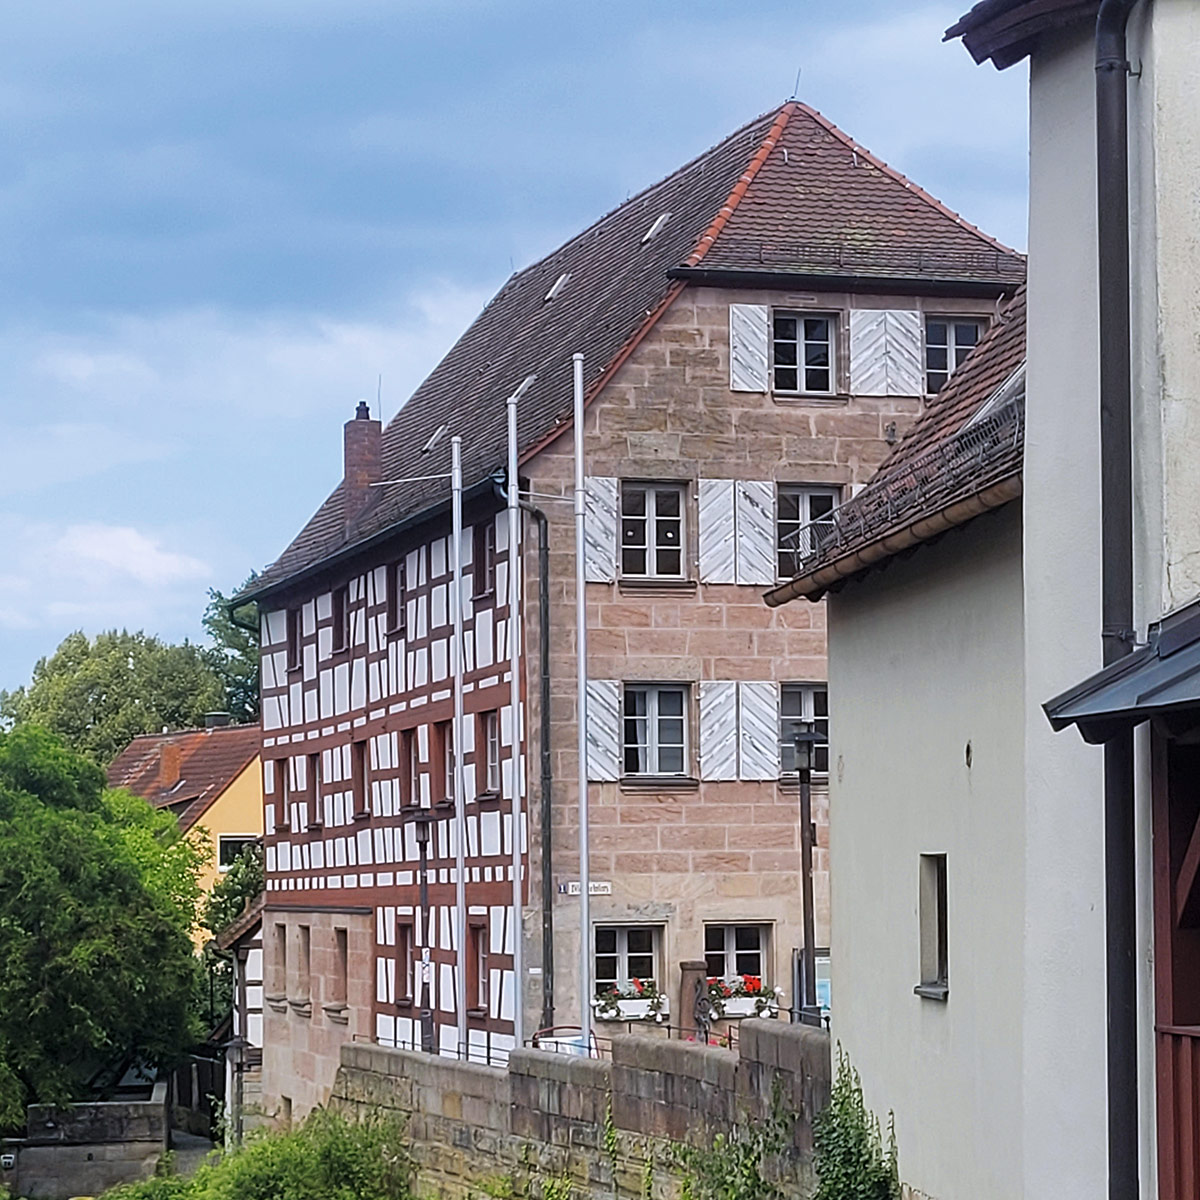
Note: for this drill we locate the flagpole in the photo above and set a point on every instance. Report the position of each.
(585, 907)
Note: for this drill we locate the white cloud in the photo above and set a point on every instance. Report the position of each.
(123, 551)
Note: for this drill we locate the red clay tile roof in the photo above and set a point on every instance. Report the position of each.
(948, 469)
(185, 771)
(788, 188)
(1007, 30)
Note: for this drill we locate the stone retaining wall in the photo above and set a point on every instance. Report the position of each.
(479, 1130)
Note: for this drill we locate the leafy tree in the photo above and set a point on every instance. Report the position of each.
(234, 652)
(98, 694)
(329, 1157)
(242, 884)
(97, 897)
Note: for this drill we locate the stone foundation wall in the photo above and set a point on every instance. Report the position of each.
(609, 1126)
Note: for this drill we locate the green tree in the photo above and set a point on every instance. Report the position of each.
(98, 894)
(98, 694)
(234, 652)
(242, 884)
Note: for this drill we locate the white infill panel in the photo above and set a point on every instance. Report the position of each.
(755, 504)
(868, 352)
(906, 353)
(718, 729)
(758, 710)
(600, 548)
(603, 730)
(717, 542)
(749, 331)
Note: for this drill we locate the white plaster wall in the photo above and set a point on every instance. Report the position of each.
(1063, 1013)
(925, 658)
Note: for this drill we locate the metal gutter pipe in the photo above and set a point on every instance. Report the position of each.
(1117, 637)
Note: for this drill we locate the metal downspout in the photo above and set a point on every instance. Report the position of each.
(1116, 487)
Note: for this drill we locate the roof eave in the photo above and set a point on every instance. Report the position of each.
(814, 584)
(735, 278)
(1007, 31)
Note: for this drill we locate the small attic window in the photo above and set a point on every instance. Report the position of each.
(656, 228)
(556, 287)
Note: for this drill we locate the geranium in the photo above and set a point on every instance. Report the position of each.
(608, 1002)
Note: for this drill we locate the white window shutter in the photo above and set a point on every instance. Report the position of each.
(716, 531)
(887, 353)
(755, 539)
(603, 730)
(749, 331)
(718, 729)
(758, 730)
(600, 527)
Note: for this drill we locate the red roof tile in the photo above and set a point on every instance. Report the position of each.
(185, 771)
(788, 189)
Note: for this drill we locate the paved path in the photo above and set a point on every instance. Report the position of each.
(190, 1150)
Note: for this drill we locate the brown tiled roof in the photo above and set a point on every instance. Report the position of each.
(947, 469)
(185, 771)
(249, 921)
(799, 182)
(1007, 30)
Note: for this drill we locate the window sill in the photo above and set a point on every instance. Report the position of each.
(811, 400)
(650, 586)
(338, 1013)
(791, 782)
(488, 595)
(361, 816)
(404, 1002)
(658, 783)
(278, 1003)
(932, 991)
(478, 1012)
(302, 1008)
(283, 827)
(316, 826)
(295, 668)
(488, 799)
(394, 631)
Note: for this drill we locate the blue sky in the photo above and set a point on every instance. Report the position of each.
(221, 222)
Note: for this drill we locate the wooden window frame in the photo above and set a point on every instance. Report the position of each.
(406, 964)
(360, 781)
(801, 342)
(410, 767)
(489, 776)
(483, 554)
(396, 620)
(283, 793)
(956, 355)
(295, 640)
(477, 966)
(314, 815)
(789, 554)
(340, 604)
(652, 546)
(441, 762)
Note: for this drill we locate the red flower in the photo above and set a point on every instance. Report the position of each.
(638, 987)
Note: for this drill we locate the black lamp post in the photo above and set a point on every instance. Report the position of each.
(421, 831)
(804, 739)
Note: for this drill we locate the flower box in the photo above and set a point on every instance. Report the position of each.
(736, 1007)
(634, 1009)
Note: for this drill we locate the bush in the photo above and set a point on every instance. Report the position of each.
(328, 1157)
(851, 1160)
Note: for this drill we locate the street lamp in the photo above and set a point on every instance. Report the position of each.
(421, 833)
(804, 739)
(236, 1050)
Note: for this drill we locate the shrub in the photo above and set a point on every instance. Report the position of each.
(851, 1159)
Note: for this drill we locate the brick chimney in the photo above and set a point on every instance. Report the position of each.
(169, 759)
(363, 464)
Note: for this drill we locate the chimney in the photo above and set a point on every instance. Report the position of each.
(363, 464)
(169, 758)
(216, 720)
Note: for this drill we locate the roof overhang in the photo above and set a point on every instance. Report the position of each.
(927, 527)
(1006, 31)
(883, 285)
(1161, 679)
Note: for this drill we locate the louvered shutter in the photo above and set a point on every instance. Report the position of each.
(758, 730)
(887, 351)
(600, 529)
(603, 730)
(717, 531)
(755, 536)
(749, 326)
(718, 729)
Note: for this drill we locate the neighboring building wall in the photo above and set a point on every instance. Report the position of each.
(236, 812)
(680, 857)
(926, 673)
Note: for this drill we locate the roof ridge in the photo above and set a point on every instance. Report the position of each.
(903, 179)
(710, 235)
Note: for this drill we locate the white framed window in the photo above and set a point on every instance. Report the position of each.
(798, 506)
(948, 341)
(804, 353)
(652, 532)
(229, 849)
(803, 702)
(489, 736)
(624, 953)
(733, 950)
(655, 729)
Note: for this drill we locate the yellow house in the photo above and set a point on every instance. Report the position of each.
(210, 778)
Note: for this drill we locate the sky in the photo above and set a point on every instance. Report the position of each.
(222, 223)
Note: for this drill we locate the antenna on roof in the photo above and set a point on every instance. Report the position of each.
(796, 86)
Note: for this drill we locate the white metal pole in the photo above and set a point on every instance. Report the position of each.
(460, 807)
(585, 905)
(515, 723)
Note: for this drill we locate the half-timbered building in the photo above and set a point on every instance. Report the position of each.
(757, 330)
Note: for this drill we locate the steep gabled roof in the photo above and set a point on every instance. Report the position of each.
(788, 188)
(185, 771)
(962, 457)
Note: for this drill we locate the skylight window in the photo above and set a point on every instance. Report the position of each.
(656, 228)
(556, 287)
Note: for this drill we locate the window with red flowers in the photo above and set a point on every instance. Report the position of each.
(625, 954)
(735, 950)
